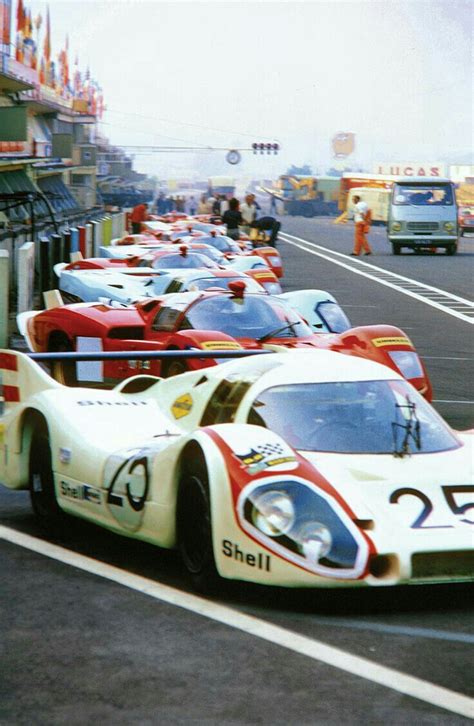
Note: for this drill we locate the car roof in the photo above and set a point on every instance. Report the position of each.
(302, 366)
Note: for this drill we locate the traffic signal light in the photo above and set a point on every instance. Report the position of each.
(261, 148)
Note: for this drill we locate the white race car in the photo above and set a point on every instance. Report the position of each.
(302, 469)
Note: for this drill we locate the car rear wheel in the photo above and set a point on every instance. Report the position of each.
(173, 367)
(194, 528)
(63, 371)
(41, 481)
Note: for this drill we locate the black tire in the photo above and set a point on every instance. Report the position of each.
(452, 249)
(194, 527)
(41, 481)
(63, 371)
(173, 367)
(396, 248)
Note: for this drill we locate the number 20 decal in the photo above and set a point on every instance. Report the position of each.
(450, 496)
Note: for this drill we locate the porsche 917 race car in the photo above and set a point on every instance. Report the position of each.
(133, 284)
(210, 320)
(304, 469)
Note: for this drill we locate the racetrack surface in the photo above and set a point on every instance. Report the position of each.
(77, 647)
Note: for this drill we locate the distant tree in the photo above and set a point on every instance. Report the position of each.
(304, 170)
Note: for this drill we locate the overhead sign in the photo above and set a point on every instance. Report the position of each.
(410, 168)
(343, 144)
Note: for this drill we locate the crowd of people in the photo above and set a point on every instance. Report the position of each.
(237, 216)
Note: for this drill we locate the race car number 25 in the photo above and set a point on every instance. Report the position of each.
(455, 498)
(127, 492)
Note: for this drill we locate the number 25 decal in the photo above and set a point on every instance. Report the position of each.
(128, 491)
(450, 496)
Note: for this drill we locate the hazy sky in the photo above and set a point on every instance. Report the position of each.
(397, 74)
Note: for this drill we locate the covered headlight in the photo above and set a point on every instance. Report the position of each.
(449, 226)
(315, 541)
(304, 525)
(273, 513)
(407, 362)
(396, 226)
(273, 288)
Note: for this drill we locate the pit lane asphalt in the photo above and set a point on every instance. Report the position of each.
(75, 648)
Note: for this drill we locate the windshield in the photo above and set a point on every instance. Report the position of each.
(203, 283)
(423, 195)
(192, 260)
(367, 417)
(252, 316)
(333, 317)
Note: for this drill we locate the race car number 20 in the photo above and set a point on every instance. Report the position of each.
(454, 496)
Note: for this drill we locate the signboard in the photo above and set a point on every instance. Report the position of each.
(5, 22)
(343, 144)
(410, 168)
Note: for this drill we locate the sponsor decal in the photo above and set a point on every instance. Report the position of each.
(260, 275)
(233, 551)
(264, 456)
(80, 492)
(220, 345)
(182, 406)
(381, 342)
(65, 455)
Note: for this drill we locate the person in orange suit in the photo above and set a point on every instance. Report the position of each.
(362, 219)
(139, 214)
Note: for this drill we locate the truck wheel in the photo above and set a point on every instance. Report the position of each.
(452, 248)
(396, 248)
(194, 527)
(41, 481)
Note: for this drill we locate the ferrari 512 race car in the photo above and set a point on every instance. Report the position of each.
(304, 469)
(212, 320)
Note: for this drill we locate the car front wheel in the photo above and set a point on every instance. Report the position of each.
(195, 528)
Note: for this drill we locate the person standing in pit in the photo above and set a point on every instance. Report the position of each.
(232, 218)
(138, 215)
(249, 211)
(362, 226)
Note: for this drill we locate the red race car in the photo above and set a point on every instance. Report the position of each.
(207, 320)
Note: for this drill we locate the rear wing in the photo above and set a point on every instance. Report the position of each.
(20, 378)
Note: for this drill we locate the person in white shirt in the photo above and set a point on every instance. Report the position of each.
(362, 226)
(248, 210)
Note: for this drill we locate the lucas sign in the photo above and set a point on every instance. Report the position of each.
(410, 168)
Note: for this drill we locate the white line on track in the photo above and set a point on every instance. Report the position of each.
(319, 251)
(402, 630)
(409, 685)
(439, 400)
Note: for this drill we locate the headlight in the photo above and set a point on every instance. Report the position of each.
(304, 525)
(273, 513)
(407, 362)
(396, 226)
(449, 226)
(315, 541)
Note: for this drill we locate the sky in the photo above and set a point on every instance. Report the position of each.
(396, 73)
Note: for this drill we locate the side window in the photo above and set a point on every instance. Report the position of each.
(174, 286)
(224, 402)
(165, 319)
